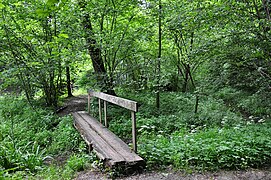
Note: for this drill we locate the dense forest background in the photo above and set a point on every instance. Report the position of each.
(115, 44)
(204, 67)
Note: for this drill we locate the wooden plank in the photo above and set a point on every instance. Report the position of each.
(116, 143)
(109, 136)
(125, 103)
(90, 148)
(103, 149)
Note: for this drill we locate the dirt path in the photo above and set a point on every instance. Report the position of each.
(251, 174)
(79, 103)
(73, 104)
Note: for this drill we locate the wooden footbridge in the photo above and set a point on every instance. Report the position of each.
(108, 147)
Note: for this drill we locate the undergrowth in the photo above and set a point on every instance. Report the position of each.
(210, 149)
(256, 104)
(176, 113)
(216, 137)
(31, 137)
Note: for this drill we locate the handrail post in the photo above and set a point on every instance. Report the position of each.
(105, 114)
(100, 110)
(88, 103)
(134, 130)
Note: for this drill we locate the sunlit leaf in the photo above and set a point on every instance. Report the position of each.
(63, 35)
(2, 6)
(41, 12)
(52, 2)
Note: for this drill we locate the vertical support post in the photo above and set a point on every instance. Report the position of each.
(100, 110)
(134, 130)
(88, 103)
(105, 114)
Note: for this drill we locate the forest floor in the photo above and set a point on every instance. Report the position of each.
(73, 104)
(251, 174)
(79, 103)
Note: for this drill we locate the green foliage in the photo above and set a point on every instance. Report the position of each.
(14, 158)
(255, 104)
(28, 135)
(240, 59)
(216, 148)
(64, 137)
(54, 172)
(176, 112)
(37, 47)
(213, 138)
(78, 162)
(219, 48)
(51, 172)
(88, 79)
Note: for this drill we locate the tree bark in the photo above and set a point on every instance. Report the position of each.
(159, 55)
(95, 52)
(68, 81)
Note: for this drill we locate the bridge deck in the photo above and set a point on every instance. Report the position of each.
(106, 144)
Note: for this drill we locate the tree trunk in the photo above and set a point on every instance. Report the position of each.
(185, 84)
(159, 55)
(68, 81)
(95, 52)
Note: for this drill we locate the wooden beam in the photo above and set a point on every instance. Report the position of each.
(100, 110)
(88, 103)
(106, 144)
(134, 131)
(105, 114)
(125, 103)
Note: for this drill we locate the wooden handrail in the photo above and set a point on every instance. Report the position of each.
(125, 103)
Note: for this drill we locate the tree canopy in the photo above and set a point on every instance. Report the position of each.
(45, 44)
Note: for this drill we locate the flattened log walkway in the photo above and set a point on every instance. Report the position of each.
(108, 147)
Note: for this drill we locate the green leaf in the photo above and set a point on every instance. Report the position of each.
(18, 3)
(63, 35)
(42, 13)
(52, 2)
(2, 6)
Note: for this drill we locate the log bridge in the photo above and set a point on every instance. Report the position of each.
(108, 147)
